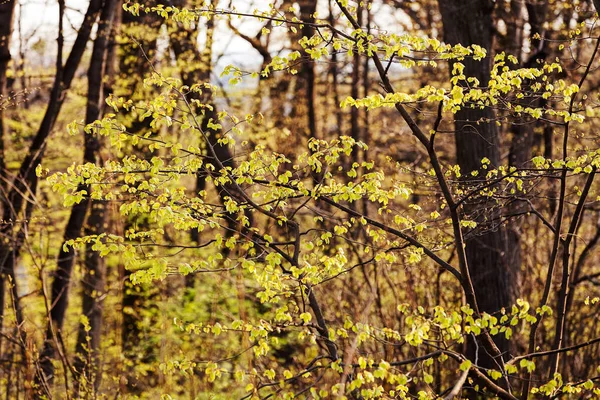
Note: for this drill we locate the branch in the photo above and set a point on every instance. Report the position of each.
(458, 386)
(466, 280)
(555, 351)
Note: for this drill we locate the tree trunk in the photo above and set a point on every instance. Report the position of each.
(185, 48)
(134, 65)
(334, 72)
(307, 79)
(6, 24)
(66, 258)
(354, 93)
(523, 129)
(7, 11)
(487, 247)
(26, 178)
(87, 362)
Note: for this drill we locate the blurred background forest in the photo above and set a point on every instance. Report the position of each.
(299, 199)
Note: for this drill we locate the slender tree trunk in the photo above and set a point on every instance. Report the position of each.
(7, 11)
(20, 67)
(334, 72)
(354, 93)
(6, 24)
(26, 178)
(487, 246)
(523, 130)
(134, 65)
(307, 73)
(523, 139)
(366, 134)
(302, 114)
(66, 257)
(185, 48)
(196, 67)
(87, 362)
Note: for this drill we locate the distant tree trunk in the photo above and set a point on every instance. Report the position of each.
(87, 363)
(59, 294)
(88, 338)
(523, 139)
(354, 93)
(302, 115)
(487, 248)
(196, 67)
(366, 134)
(134, 64)
(334, 71)
(7, 11)
(512, 14)
(26, 179)
(6, 25)
(307, 78)
(20, 66)
(66, 258)
(523, 129)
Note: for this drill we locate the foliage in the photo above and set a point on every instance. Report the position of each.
(344, 272)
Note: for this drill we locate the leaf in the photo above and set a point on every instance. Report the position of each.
(495, 375)
(428, 378)
(465, 365)
(306, 317)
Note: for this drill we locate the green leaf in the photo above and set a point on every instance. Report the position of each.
(465, 365)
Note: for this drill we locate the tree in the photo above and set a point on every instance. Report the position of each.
(23, 186)
(7, 10)
(283, 262)
(60, 286)
(488, 247)
(320, 268)
(102, 64)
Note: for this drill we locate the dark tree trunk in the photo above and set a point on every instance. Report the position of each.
(523, 139)
(26, 179)
(302, 115)
(185, 48)
(197, 68)
(306, 89)
(66, 258)
(59, 295)
(366, 134)
(523, 130)
(7, 10)
(87, 362)
(354, 93)
(6, 24)
(488, 246)
(334, 72)
(134, 63)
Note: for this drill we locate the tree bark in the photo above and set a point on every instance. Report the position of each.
(354, 93)
(66, 258)
(183, 42)
(135, 61)
(487, 247)
(26, 179)
(307, 76)
(7, 11)
(87, 362)
(334, 72)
